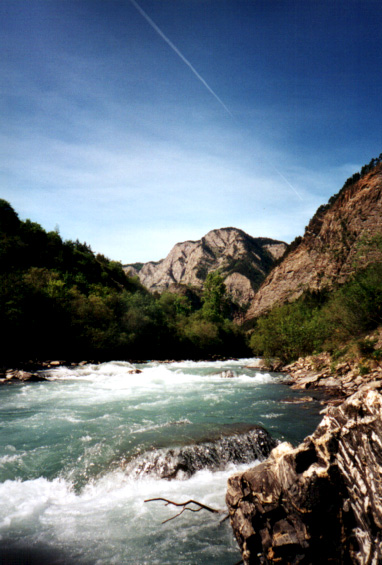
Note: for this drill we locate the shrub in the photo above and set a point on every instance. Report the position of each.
(288, 332)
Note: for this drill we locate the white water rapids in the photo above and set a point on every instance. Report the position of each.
(69, 450)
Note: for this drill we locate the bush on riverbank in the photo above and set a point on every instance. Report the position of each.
(322, 321)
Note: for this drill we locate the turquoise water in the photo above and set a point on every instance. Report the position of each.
(69, 446)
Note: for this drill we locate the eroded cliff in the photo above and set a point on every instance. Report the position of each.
(329, 252)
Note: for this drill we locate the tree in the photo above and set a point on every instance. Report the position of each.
(215, 302)
(9, 220)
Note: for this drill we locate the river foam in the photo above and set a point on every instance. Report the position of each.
(71, 445)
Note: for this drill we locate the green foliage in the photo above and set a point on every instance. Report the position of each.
(363, 370)
(215, 302)
(369, 249)
(9, 220)
(356, 307)
(323, 320)
(199, 337)
(377, 355)
(366, 346)
(338, 353)
(202, 334)
(59, 300)
(174, 305)
(202, 271)
(137, 266)
(288, 332)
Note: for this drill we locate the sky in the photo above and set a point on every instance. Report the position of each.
(132, 125)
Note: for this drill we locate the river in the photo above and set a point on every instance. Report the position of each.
(82, 451)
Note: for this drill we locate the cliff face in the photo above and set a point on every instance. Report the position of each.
(318, 503)
(329, 249)
(243, 261)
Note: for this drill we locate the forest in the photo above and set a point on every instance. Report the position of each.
(60, 300)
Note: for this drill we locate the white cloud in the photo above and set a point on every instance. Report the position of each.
(133, 196)
(133, 178)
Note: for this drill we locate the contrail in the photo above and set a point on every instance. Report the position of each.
(176, 50)
(199, 77)
(285, 180)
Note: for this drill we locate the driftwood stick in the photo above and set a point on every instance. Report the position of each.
(224, 519)
(200, 504)
(185, 507)
(179, 513)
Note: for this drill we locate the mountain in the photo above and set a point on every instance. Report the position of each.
(243, 261)
(331, 248)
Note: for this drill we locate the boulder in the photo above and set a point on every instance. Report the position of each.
(306, 381)
(228, 374)
(297, 399)
(15, 375)
(320, 502)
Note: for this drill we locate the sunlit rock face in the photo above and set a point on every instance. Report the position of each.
(329, 252)
(243, 261)
(320, 502)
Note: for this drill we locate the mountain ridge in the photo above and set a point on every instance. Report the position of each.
(243, 261)
(329, 251)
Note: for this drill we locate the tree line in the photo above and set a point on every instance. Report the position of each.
(60, 300)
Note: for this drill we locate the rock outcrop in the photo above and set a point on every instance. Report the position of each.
(329, 251)
(243, 261)
(320, 502)
(243, 446)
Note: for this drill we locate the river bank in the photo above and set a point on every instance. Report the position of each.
(356, 367)
(338, 382)
(277, 507)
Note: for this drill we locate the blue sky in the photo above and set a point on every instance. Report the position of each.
(131, 137)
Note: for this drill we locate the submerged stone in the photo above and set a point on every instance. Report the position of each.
(183, 462)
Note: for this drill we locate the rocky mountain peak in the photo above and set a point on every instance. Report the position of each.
(243, 261)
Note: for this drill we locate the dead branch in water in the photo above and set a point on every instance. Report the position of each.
(185, 507)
